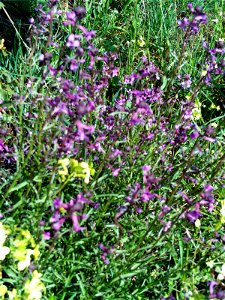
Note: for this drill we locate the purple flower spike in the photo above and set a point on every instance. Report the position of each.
(192, 24)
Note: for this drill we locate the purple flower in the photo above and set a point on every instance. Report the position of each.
(193, 215)
(84, 130)
(52, 71)
(80, 12)
(146, 169)
(167, 225)
(220, 295)
(72, 42)
(115, 172)
(47, 235)
(61, 108)
(208, 134)
(192, 24)
(57, 203)
(212, 285)
(105, 252)
(186, 83)
(165, 209)
(194, 135)
(73, 65)
(146, 196)
(71, 18)
(75, 220)
(207, 198)
(122, 210)
(71, 210)
(88, 34)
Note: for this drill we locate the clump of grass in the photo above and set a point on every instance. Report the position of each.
(115, 175)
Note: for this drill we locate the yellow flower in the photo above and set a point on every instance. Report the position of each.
(2, 47)
(3, 290)
(20, 243)
(210, 264)
(64, 164)
(204, 73)
(196, 111)
(214, 125)
(21, 251)
(28, 237)
(34, 287)
(197, 223)
(76, 169)
(3, 235)
(36, 252)
(141, 42)
(25, 262)
(213, 106)
(222, 211)
(13, 295)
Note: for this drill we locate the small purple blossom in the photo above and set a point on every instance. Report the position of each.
(193, 215)
(165, 209)
(105, 252)
(212, 285)
(71, 18)
(72, 42)
(88, 34)
(47, 235)
(80, 12)
(207, 198)
(186, 83)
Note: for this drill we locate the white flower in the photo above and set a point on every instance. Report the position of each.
(221, 275)
(3, 252)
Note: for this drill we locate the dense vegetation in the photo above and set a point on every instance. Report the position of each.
(112, 182)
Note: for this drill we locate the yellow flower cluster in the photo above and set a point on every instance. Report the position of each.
(21, 249)
(33, 288)
(23, 254)
(71, 168)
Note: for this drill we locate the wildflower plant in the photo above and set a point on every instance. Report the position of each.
(121, 185)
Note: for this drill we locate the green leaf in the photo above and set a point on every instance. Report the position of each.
(1, 5)
(19, 186)
(3, 95)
